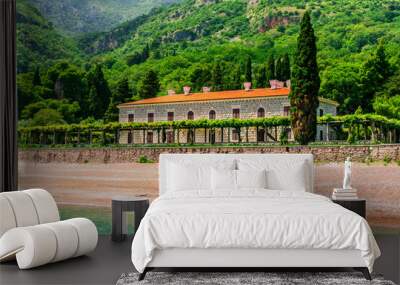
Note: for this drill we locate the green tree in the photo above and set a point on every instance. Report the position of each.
(389, 107)
(37, 81)
(375, 71)
(99, 94)
(67, 110)
(270, 68)
(261, 77)
(196, 77)
(149, 86)
(235, 77)
(121, 94)
(47, 117)
(305, 84)
(279, 69)
(72, 85)
(217, 76)
(285, 69)
(248, 74)
(342, 84)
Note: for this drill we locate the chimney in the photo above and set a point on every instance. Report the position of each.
(247, 86)
(171, 92)
(288, 83)
(272, 83)
(206, 89)
(279, 84)
(186, 90)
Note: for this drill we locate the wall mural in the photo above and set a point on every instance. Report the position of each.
(104, 86)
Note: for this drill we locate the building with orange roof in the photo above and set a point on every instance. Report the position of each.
(245, 104)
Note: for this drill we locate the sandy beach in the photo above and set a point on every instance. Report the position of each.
(95, 183)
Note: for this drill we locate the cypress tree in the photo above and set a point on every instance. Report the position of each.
(279, 69)
(248, 70)
(37, 81)
(120, 95)
(262, 77)
(285, 70)
(374, 73)
(217, 76)
(149, 86)
(305, 84)
(270, 69)
(236, 78)
(99, 94)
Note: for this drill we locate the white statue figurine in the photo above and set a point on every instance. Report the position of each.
(347, 174)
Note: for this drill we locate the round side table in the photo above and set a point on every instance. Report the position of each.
(120, 206)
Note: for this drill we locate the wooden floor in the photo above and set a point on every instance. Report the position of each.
(103, 266)
(110, 260)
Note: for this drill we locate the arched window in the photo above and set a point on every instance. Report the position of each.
(260, 113)
(190, 115)
(212, 115)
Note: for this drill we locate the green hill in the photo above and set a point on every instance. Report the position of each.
(38, 43)
(183, 42)
(83, 16)
(200, 31)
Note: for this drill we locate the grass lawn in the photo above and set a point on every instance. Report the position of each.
(101, 216)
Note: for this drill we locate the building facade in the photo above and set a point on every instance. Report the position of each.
(241, 104)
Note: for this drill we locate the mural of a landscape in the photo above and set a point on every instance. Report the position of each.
(77, 61)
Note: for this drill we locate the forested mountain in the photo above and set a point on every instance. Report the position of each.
(83, 16)
(38, 43)
(210, 42)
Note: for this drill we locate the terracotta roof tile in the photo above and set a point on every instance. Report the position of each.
(210, 96)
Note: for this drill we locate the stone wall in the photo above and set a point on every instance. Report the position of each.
(131, 154)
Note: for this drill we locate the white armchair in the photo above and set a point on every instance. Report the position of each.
(31, 230)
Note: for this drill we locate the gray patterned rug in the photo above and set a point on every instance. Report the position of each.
(243, 278)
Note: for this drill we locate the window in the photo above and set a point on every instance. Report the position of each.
(236, 113)
(321, 112)
(190, 115)
(212, 115)
(131, 117)
(170, 116)
(150, 117)
(260, 113)
(286, 110)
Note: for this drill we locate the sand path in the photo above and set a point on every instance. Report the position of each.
(94, 184)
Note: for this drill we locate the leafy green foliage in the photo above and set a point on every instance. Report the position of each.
(144, 159)
(64, 111)
(99, 95)
(389, 107)
(248, 75)
(83, 16)
(47, 116)
(185, 41)
(121, 94)
(38, 43)
(305, 85)
(375, 70)
(149, 85)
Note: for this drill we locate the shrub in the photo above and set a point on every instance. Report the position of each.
(387, 159)
(368, 160)
(144, 159)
